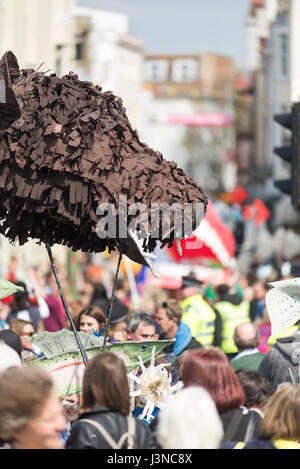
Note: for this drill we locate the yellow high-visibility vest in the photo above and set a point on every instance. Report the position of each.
(200, 317)
(290, 331)
(232, 315)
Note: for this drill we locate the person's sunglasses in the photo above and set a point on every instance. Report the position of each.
(165, 305)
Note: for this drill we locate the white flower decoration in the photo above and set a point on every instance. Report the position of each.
(155, 386)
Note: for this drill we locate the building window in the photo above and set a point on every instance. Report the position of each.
(184, 70)
(157, 70)
(79, 50)
(80, 45)
(59, 60)
(283, 55)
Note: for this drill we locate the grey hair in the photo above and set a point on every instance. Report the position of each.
(138, 318)
(190, 420)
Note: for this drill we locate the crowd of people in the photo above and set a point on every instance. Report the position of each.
(232, 385)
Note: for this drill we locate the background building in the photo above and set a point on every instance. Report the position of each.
(107, 55)
(189, 114)
(269, 52)
(38, 32)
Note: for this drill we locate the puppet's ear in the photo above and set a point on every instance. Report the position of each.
(132, 247)
(9, 68)
(9, 107)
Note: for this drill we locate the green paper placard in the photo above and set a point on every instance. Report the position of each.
(8, 288)
(64, 361)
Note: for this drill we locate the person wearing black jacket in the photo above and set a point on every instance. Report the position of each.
(105, 422)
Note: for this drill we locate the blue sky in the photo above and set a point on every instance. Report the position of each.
(185, 26)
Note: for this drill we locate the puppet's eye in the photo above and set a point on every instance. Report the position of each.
(143, 348)
(114, 129)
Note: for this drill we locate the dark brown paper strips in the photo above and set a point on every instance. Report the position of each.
(65, 148)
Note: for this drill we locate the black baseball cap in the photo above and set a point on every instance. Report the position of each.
(189, 281)
(118, 312)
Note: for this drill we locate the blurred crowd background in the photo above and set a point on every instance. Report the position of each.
(213, 114)
(207, 111)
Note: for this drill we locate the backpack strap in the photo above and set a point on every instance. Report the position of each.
(103, 432)
(130, 435)
(235, 421)
(250, 427)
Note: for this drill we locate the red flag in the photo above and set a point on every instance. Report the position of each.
(257, 210)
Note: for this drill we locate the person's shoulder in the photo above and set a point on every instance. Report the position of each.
(273, 350)
(260, 443)
(255, 443)
(145, 436)
(229, 414)
(194, 343)
(289, 339)
(110, 419)
(96, 414)
(251, 361)
(53, 301)
(249, 356)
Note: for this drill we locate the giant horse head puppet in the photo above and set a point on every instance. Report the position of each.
(66, 147)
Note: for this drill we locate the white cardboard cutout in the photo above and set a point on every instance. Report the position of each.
(283, 304)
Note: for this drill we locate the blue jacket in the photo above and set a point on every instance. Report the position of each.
(182, 338)
(183, 341)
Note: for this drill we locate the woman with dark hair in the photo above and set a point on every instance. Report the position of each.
(105, 422)
(280, 426)
(91, 320)
(210, 368)
(23, 308)
(256, 387)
